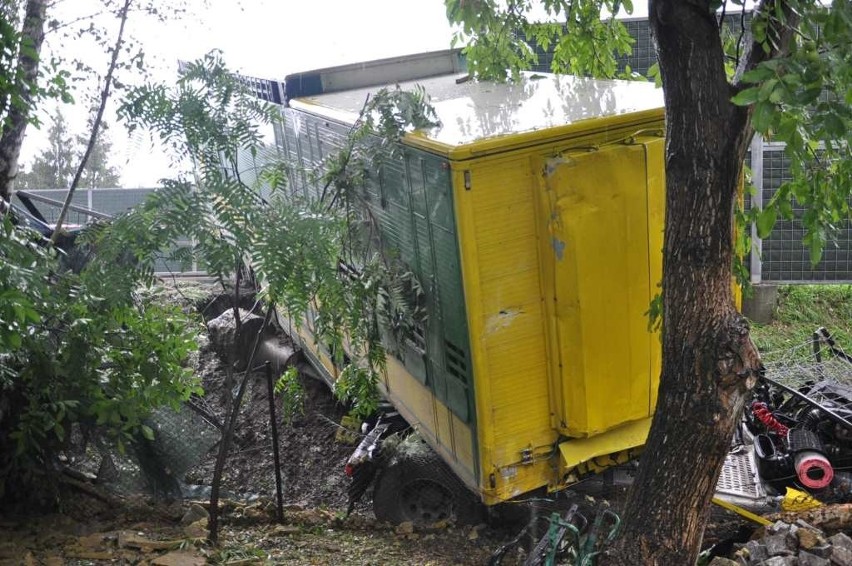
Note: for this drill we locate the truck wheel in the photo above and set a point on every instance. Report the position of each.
(421, 489)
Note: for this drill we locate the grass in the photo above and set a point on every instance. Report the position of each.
(801, 309)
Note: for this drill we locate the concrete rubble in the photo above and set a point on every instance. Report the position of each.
(786, 544)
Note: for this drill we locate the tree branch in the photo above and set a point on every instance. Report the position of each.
(755, 54)
(96, 125)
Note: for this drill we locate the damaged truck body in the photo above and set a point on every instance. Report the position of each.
(532, 217)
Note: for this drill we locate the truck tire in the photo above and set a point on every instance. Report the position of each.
(421, 489)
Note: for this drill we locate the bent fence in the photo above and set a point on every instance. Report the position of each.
(88, 204)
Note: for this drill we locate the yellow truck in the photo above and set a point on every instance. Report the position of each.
(533, 218)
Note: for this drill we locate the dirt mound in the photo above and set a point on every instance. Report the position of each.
(312, 459)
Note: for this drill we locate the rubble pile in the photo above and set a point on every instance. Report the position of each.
(797, 544)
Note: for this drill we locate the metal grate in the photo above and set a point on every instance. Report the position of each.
(456, 363)
(739, 479)
(784, 256)
(644, 54)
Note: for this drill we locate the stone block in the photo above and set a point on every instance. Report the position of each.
(808, 559)
(776, 545)
(756, 551)
(841, 556)
(841, 540)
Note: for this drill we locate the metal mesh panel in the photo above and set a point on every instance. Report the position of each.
(785, 258)
(798, 365)
(105, 201)
(51, 211)
(643, 54)
(739, 478)
(114, 201)
(181, 439)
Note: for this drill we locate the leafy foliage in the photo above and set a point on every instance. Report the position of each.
(498, 35)
(73, 355)
(804, 100)
(15, 90)
(292, 393)
(318, 259)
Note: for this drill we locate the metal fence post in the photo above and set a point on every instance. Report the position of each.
(756, 262)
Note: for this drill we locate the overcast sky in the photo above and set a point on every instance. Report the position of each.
(265, 38)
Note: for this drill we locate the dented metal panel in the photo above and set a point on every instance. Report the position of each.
(536, 377)
(599, 281)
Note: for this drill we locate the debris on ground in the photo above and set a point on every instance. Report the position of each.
(315, 445)
(791, 544)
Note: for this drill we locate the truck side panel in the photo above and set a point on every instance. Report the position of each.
(499, 245)
(429, 375)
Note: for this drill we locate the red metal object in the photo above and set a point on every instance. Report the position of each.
(764, 415)
(814, 470)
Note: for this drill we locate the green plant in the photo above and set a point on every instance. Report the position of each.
(319, 255)
(317, 260)
(292, 394)
(74, 356)
(803, 101)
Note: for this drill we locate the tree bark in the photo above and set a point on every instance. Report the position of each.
(26, 77)
(709, 361)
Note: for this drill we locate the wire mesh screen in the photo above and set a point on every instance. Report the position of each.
(799, 365)
(105, 201)
(156, 467)
(114, 201)
(50, 210)
(643, 54)
(785, 258)
(108, 202)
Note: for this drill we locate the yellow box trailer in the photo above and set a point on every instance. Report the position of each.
(533, 217)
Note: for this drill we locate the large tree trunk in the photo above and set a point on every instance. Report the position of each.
(709, 362)
(15, 125)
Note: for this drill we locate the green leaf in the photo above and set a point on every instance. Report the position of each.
(815, 247)
(834, 125)
(778, 94)
(147, 432)
(766, 89)
(766, 221)
(758, 74)
(763, 115)
(746, 97)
